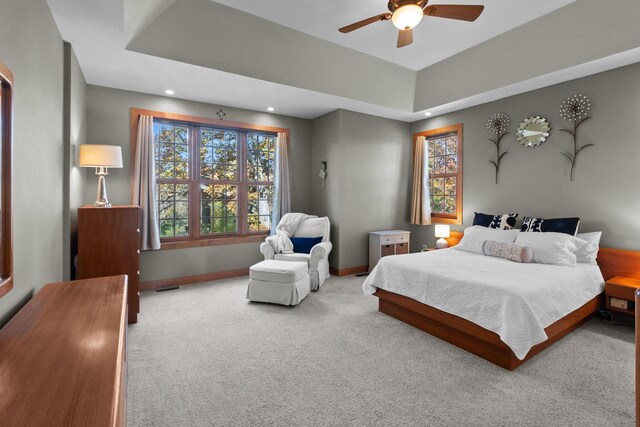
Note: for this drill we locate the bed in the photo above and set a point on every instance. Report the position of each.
(502, 311)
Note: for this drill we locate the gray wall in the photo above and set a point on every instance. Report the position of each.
(575, 34)
(32, 49)
(326, 200)
(535, 181)
(75, 134)
(108, 117)
(367, 179)
(374, 177)
(284, 55)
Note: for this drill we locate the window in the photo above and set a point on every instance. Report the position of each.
(443, 163)
(212, 181)
(172, 177)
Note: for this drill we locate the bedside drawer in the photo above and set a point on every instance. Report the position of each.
(622, 292)
(401, 238)
(386, 240)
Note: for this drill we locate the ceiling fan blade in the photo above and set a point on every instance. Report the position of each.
(364, 22)
(405, 37)
(462, 12)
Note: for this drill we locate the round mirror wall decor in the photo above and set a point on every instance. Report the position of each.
(533, 131)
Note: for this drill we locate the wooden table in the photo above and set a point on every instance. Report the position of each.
(620, 294)
(63, 356)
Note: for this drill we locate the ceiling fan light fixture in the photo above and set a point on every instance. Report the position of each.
(407, 16)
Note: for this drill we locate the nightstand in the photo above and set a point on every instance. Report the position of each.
(620, 294)
(385, 243)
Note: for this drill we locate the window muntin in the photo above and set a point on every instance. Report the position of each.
(218, 154)
(172, 151)
(232, 191)
(173, 209)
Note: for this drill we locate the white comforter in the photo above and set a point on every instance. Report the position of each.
(516, 301)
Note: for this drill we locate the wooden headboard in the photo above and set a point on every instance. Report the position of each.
(618, 262)
(455, 238)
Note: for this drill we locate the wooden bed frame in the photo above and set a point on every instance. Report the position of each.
(487, 344)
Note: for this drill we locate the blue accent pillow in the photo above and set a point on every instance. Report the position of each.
(303, 245)
(552, 225)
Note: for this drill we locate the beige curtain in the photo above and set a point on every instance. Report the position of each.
(421, 200)
(143, 193)
(282, 186)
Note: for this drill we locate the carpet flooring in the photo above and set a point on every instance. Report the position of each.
(205, 356)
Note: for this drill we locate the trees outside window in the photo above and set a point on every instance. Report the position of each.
(213, 182)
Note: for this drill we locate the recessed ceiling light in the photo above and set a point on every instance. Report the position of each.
(428, 113)
(270, 109)
(169, 92)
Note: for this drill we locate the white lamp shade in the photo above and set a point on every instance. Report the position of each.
(407, 16)
(100, 156)
(442, 231)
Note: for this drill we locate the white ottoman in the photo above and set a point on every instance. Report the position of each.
(278, 282)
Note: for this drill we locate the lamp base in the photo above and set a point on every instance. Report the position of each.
(101, 205)
(442, 243)
(101, 194)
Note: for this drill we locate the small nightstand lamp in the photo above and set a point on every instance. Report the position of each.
(101, 157)
(442, 231)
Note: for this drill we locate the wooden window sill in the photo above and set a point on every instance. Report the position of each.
(234, 240)
(441, 220)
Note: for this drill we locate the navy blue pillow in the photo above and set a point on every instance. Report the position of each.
(303, 245)
(553, 225)
(503, 222)
(482, 219)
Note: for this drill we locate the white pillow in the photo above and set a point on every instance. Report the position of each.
(551, 248)
(314, 227)
(589, 252)
(474, 238)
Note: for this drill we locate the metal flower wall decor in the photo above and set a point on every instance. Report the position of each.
(498, 125)
(575, 109)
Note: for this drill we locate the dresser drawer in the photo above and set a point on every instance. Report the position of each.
(401, 238)
(402, 248)
(387, 240)
(386, 250)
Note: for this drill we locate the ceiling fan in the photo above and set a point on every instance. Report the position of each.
(406, 14)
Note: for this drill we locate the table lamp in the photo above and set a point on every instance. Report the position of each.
(101, 157)
(443, 232)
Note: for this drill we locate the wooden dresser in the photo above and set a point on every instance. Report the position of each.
(109, 244)
(63, 357)
(384, 243)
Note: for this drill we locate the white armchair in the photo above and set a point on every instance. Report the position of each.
(317, 259)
